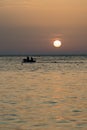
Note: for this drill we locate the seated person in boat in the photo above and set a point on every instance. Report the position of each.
(32, 59)
(27, 58)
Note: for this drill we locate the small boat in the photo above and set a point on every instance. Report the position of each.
(27, 60)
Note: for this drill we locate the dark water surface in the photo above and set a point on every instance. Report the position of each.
(46, 95)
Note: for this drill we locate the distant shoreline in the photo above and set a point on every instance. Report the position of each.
(41, 55)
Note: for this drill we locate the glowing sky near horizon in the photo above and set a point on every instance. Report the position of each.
(30, 26)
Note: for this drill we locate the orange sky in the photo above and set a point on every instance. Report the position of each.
(29, 26)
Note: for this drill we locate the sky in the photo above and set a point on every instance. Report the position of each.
(31, 26)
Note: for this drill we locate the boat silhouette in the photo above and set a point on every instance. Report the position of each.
(27, 60)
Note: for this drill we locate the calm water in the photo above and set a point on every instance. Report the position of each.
(43, 95)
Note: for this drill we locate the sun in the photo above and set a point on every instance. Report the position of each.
(57, 43)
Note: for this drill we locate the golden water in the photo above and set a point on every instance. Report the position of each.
(43, 95)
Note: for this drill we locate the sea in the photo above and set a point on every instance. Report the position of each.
(50, 94)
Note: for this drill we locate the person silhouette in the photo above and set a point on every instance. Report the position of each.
(27, 58)
(31, 58)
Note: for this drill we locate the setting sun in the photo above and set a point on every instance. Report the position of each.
(57, 43)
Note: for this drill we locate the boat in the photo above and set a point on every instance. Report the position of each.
(27, 60)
